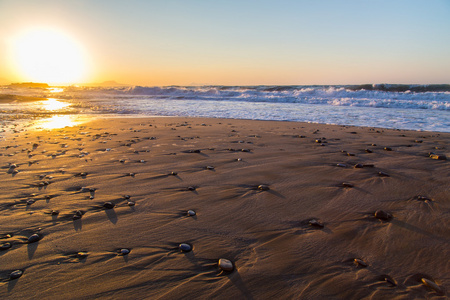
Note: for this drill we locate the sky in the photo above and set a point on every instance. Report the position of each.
(225, 42)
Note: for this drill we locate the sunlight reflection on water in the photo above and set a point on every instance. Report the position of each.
(54, 104)
(56, 122)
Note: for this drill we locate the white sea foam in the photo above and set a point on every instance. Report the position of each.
(392, 106)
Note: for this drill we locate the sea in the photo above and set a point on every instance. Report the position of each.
(397, 106)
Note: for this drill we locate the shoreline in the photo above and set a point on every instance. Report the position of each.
(292, 205)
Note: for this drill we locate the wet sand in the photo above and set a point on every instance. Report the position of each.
(302, 211)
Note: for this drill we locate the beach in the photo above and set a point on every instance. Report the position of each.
(301, 210)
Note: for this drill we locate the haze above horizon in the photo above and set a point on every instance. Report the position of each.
(225, 42)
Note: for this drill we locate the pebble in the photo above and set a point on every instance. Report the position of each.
(131, 203)
(346, 184)
(78, 214)
(127, 197)
(431, 284)
(438, 157)
(390, 280)
(263, 187)
(15, 274)
(226, 265)
(173, 173)
(423, 198)
(350, 154)
(359, 166)
(30, 201)
(5, 246)
(108, 205)
(209, 168)
(54, 212)
(239, 159)
(360, 262)
(191, 188)
(82, 254)
(315, 223)
(185, 247)
(383, 174)
(191, 212)
(34, 238)
(368, 151)
(124, 251)
(142, 161)
(122, 160)
(383, 215)
(387, 148)
(342, 165)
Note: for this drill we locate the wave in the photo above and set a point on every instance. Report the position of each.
(435, 97)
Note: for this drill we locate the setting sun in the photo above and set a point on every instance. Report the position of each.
(47, 55)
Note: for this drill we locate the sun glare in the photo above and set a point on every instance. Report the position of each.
(50, 56)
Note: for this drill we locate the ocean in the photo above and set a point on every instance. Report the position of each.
(413, 107)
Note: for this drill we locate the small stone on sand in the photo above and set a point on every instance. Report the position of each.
(341, 165)
(191, 188)
(5, 246)
(383, 174)
(390, 280)
(226, 265)
(124, 251)
(360, 262)
(387, 148)
(34, 238)
(263, 187)
(315, 223)
(438, 157)
(185, 247)
(108, 205)
(431, 284)
(383, 215)
(82, 254)
(15, 274)
(173, 173)
(191, 212)
(131, 203)
(54, 212)
(358, 166)
(30, 201)
(347, 184)
(209, 168)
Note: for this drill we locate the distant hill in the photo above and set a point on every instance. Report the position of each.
(29, 85)
(3, 81)
(109, 83)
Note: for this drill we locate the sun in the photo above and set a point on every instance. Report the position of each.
(50, 56)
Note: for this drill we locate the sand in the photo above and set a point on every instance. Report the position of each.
(282, 201)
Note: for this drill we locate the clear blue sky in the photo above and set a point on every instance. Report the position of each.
(243, 42)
